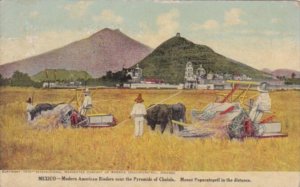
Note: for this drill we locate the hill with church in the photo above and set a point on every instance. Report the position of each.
(168, 62)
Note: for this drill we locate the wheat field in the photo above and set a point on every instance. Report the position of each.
(117, 149)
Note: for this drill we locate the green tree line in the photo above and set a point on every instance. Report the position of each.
(20, 79)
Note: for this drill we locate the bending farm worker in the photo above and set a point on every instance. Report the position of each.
(87, 102)
(138, 112)
(29, 108)
(261, 105)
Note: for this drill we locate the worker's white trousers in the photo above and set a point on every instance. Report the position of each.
(139, 127)
(28, 116)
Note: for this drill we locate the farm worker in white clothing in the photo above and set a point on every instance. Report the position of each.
(29, 108)
(87, 102)
(138, 112)
(261, 105)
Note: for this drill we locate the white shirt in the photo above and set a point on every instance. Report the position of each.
(138, 111)
(87, 101)
(29, 108)
(263, 102)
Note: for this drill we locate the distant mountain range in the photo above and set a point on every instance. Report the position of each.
(106, 50)
(282, 72)
(168, 61)
(111, 50)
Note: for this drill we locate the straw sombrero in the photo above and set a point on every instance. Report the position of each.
(263, 87)
(86, 91)
(139, 99)
(29, 100)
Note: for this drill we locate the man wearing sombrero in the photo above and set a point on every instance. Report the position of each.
(138, 112)
(29, 108)
(87, 102)
(262, 103)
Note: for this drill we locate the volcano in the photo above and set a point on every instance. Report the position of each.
(106, 50)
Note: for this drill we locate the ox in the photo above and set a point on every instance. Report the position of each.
(163, 115)
(178, 113)
(39, 108)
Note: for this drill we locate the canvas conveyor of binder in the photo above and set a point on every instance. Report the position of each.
(229, 117)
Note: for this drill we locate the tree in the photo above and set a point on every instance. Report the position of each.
(109, 74)
(21, 79)
(3, 81)
(293, 75)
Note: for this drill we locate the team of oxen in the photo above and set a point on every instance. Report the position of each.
(158, 114)
(163, 114)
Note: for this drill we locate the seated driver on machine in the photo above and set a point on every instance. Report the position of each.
(87, 102)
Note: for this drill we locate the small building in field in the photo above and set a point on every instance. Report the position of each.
(57, 84)
(49, 84)
(152, 81)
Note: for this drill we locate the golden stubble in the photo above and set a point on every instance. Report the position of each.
(116, 148)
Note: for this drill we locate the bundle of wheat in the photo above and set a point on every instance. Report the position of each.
(46, 121)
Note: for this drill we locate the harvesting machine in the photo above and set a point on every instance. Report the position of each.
(233, 115)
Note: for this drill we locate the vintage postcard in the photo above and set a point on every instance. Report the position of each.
(149, 93)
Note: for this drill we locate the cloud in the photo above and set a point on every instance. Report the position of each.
(251, 32)
(207, 25)
(275, 20)
(167, 22)
(270, 33)
(167, 26)
(78, 9)
(12, 49)
(109, 16)
(34, 14)
(246, 32)
(232, 17)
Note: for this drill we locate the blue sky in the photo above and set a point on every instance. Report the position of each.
(260, 34)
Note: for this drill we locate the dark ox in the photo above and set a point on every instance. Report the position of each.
(163, 114)
(178, 113)
(39, 108)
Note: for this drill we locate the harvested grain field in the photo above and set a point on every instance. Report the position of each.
(117, 149)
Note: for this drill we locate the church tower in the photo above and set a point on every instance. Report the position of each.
(189, 77)
(189, 72)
